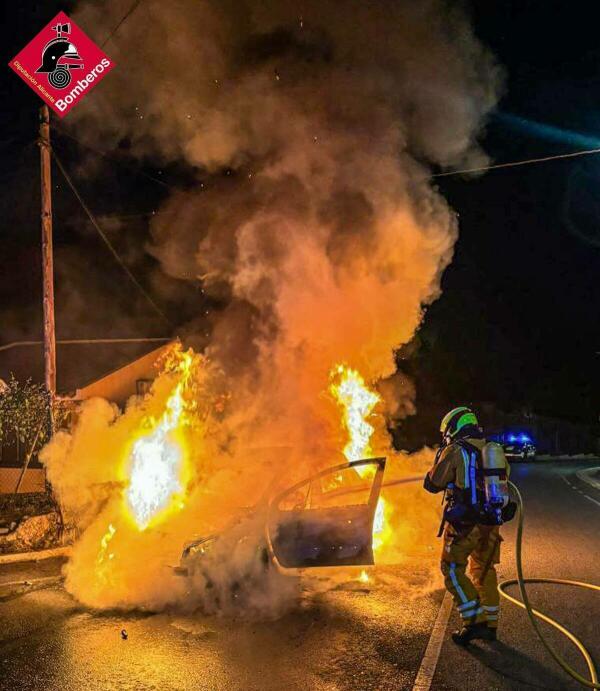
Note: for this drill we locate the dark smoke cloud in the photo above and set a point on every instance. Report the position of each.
(323, 114)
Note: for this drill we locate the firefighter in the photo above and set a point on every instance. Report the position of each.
(472, 533)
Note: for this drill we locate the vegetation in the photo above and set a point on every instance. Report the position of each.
(25, 418)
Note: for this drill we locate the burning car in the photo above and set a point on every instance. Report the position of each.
(327, 520)
(269, 527)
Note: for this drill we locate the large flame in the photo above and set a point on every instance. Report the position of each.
(357, 402)
(156, 466)
(158, 463)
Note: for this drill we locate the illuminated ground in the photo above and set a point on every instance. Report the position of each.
(353, 637)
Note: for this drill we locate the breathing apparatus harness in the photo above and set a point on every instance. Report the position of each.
(484, 500)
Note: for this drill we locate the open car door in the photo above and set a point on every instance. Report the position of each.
(327, 519)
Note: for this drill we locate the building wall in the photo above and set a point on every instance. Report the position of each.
(33, 481)
(120, 385)
(12, 456)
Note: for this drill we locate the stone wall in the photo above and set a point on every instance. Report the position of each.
(28, 522)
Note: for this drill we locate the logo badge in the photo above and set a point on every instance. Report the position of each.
(61, 64)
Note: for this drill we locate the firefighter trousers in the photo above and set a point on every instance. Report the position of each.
(476, 598)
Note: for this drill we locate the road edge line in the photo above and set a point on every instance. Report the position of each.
(431, 656)
(583, 475)
(590, 498)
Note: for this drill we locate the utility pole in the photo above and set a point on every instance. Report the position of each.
(47, 260)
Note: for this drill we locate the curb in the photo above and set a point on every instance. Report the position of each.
(587, 476)
(562, 457)
(35, 556)
(28, 586)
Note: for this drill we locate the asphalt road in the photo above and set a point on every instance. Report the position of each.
(346, 638)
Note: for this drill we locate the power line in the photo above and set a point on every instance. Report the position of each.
(126, 16)
(85, 341)
(512, 164)
(107, 242)
(112, 155)
(127, 217)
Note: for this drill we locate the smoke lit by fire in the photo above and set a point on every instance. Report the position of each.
(308, 218)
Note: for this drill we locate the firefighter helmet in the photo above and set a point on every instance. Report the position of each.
(457, 419)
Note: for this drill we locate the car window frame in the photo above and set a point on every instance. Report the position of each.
(377, 482)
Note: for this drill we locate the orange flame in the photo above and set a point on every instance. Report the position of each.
(101, 561)
(158, 466)
(357, 402)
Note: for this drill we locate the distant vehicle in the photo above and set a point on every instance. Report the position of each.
(519, 447)
(324, 520)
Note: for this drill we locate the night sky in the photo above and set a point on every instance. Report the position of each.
(517, 322)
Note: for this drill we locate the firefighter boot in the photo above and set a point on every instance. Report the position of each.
(473, 632)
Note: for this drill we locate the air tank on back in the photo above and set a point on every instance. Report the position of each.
(495, 485)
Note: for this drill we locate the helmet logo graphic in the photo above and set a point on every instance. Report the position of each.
(59, 57)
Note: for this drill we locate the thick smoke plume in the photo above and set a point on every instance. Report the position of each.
(312, 128)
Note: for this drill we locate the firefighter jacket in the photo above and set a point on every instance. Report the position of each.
(451, 468)
(452, 471)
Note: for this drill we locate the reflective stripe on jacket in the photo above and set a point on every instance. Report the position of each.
(452, 467)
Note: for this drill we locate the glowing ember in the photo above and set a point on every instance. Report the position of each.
(158, 459)
(364, 577)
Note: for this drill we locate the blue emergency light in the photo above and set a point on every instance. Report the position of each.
(523, 438)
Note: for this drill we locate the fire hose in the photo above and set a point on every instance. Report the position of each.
(534, 614)
(525, 604)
